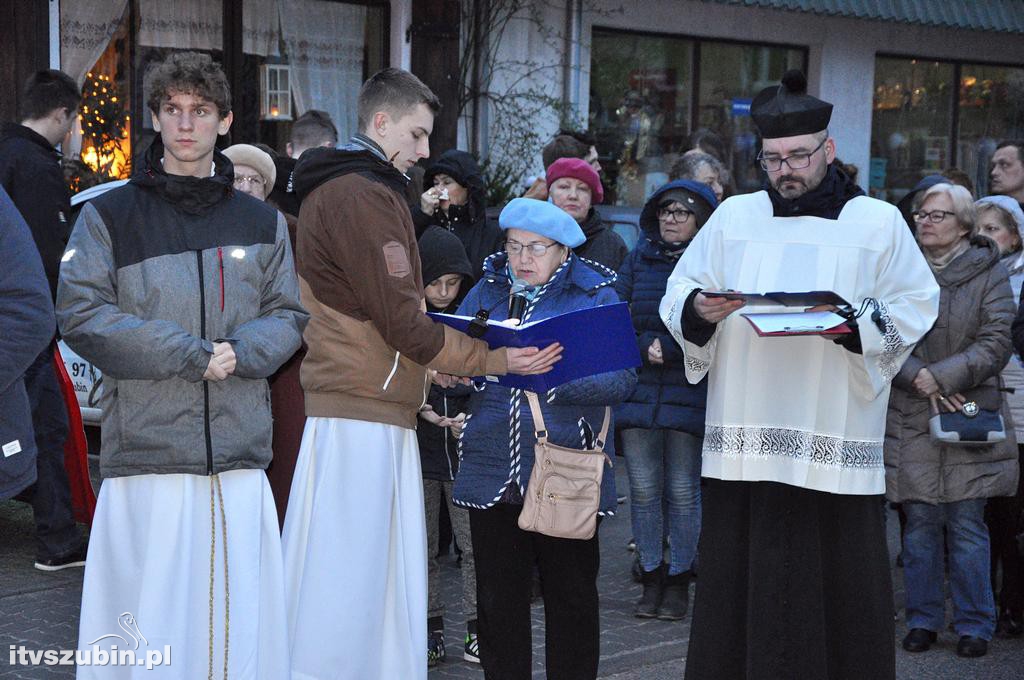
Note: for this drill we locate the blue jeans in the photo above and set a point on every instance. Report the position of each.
(664, 482)
(967, 536)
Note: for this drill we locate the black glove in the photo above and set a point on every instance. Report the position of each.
(850, 341)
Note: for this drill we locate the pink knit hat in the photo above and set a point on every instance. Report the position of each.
(577, 168)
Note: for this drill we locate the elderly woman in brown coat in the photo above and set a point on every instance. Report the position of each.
(955, 367)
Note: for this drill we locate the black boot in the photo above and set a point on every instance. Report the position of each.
(676, 599)
(647, 606)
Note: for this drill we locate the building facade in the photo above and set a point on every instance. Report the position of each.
(919, 86)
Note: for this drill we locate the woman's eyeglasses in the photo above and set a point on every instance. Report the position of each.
(933, 216)
(255, 180)
(535, 249)
(675, 215)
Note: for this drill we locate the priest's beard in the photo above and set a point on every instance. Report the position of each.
(791, 186)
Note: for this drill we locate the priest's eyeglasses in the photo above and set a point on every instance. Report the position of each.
(796, 161)
(677, 215)
(535, 249)
(933, 216)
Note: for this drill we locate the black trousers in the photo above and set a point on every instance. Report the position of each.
(56, 532)
(794, 585)
(1003, 517)
(505, 558)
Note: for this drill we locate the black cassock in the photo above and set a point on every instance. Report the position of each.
(794, 584)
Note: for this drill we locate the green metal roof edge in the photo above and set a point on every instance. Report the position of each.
(999, 16)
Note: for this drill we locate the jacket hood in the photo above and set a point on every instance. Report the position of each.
(695, 190)
(463, 168)
(978, 259)
(319, 165)
(192, 195)
(584, 274)
(441, 252)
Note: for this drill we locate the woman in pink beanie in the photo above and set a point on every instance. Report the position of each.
(574, 186)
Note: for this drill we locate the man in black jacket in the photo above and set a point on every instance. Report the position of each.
(31, 173)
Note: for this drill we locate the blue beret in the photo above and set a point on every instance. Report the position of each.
(541, 217)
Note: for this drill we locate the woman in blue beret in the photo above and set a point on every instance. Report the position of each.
(496, 450)
(662, 422)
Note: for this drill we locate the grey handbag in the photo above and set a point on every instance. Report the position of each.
(970, 426)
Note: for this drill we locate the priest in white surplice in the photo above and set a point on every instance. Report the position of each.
(794, 574)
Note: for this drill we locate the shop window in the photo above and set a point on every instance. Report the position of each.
(730, 76)
(649, 92)
(991, 101)
(911, 128)
(930, 116)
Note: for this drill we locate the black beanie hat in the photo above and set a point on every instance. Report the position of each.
(441, 252)
(786, 110)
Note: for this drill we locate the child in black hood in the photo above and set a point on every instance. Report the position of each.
(447, 277)
(455, 199)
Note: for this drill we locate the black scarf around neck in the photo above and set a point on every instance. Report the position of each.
(190, 195)
(826, 200)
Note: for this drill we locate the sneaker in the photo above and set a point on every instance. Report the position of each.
(472, 650)
(435, 648)
(72, 559)
(631, 545)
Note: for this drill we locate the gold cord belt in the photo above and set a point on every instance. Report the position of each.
(216, 490)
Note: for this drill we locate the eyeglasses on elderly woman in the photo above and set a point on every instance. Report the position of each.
(933, 216)
(535, 249)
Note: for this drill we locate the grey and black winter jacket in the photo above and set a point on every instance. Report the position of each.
(154, 273)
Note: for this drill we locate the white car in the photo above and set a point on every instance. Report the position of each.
(86, 378)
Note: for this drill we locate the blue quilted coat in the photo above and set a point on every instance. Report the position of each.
(663, 398)
(496, 448)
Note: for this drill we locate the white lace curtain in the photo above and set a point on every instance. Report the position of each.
(86, 28)
(323, 41)
(198, 25)
(324, 45)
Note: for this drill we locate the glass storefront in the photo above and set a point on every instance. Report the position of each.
(930, 116)
(296, 55)
(649, 92)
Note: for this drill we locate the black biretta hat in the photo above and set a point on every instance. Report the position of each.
(786, 110)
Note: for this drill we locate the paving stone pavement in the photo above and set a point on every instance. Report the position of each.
(40, 611)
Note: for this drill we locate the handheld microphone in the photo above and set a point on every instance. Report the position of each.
(516, 309)
(517, 302)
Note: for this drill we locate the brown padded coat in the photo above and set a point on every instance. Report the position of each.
(369, 341)
(965, 350)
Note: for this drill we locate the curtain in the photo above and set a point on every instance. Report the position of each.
(198, 25)
(324, 44)
(180, 24)
(86, 27)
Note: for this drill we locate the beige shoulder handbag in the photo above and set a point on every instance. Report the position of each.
(564, 491)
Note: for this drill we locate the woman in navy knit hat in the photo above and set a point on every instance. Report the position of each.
(662, 422)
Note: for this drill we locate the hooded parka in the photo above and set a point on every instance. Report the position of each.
(965, 350)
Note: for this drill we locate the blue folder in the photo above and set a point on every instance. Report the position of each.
(594, 340)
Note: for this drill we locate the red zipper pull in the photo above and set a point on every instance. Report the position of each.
(220, 262)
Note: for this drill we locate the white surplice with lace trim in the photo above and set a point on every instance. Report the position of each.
(802, 411)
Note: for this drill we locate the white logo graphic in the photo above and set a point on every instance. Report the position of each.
(127, 623)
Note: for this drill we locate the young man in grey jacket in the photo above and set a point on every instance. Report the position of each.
(183, 292)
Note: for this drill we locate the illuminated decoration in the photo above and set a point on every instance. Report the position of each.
(275, 92)
(106, 143)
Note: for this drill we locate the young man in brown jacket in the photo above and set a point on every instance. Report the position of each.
(354, 534)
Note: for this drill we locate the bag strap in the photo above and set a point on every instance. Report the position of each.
(541, 432)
